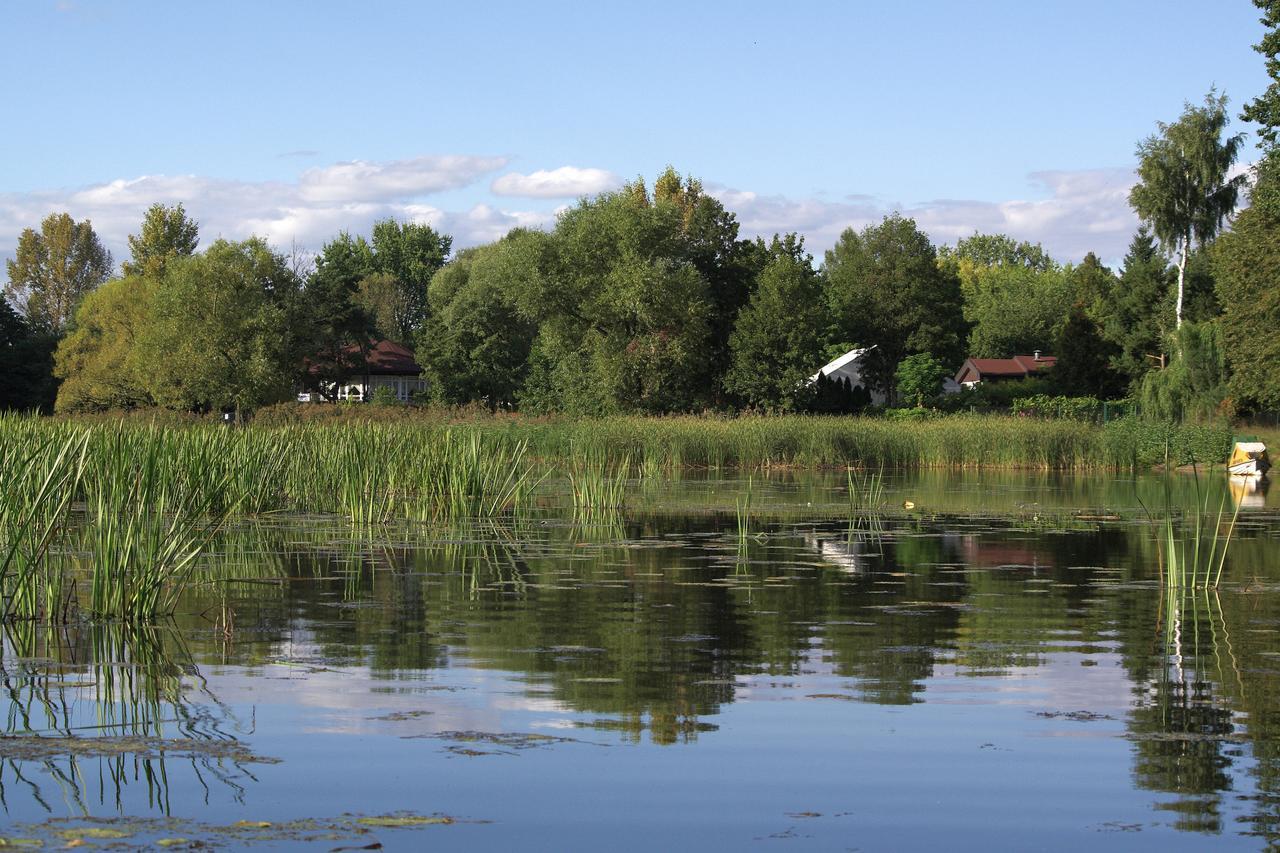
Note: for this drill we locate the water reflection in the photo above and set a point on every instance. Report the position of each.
(1249, 493)
(660, 630)
(99, 708)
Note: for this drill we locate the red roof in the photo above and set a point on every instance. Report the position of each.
(977, 369)
(389, 357)
(385, 358)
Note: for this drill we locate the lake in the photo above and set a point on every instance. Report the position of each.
(991, 662)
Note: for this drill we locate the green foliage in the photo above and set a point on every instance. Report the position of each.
(1013, 309)
(1084, 359)
(53, 269)
(1183, 190)
(26, 363)
(98, 360)
(885, 287)
(776, 342)
(406, 255)
(1045, 406)
(919, 377)
(1247, 262)
(167, 234)
(1194, 384)
(1200, 300)
(998, 396)
(1138, 443)
(1091, 284)
(837, 395)
(339, 327)
(223, 333)
(1264, 110)
(624, 309)
(384, 395)
(997, 250)
(1139, 313)
(475, 346)
(385, 305)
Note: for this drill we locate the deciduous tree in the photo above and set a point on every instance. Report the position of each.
(475, 345)
(407, 254)
(1247, 263)
(885, 287)
(1264, 110)
(98, 361)
(1184, 190)
(777, 342)
(919, 378)
(166, 234)
(222, 332)
(54, 268)
(337, 323)
(25, 363)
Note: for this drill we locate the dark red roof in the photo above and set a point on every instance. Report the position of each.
(385, 358)
(1018, 366)
(389, 357)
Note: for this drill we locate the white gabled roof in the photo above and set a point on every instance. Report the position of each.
(832, 366)
(1251, 446)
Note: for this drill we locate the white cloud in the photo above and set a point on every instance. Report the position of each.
(1085, 211)
(359, 180)
(306, 213)
(565, 182)
(1081, 211)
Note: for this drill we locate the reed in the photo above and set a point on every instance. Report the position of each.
(37, 487)
(151, 513)
(742, 513)
(599, 487)
(1193, 556)
(866, 493)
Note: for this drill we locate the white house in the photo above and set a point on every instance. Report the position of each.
(849, 366)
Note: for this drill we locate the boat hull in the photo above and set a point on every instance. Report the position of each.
(1249, 468)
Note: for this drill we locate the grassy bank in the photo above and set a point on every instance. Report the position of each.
(320, 434)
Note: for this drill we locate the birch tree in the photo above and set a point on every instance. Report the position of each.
(1183, 188)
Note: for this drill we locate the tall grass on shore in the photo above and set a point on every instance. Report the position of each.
(302, 445)
(143, 499)
(802, 441)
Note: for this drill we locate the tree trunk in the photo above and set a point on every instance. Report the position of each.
(1182, 268)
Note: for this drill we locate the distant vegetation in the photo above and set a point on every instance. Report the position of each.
(647, 300)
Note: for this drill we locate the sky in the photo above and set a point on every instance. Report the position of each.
(297, 120)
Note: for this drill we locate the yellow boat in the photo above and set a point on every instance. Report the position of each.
(1248, 459)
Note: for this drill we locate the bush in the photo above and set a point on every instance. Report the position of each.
(384, 396)
(1069, 408)
(1136, 443)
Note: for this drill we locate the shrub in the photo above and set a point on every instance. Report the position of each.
(1070, 408)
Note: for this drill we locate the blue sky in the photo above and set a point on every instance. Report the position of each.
(297, 119)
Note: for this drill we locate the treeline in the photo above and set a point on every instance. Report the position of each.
(636, 301)
(648, 300)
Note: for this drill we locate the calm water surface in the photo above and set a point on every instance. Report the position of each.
(996, 667)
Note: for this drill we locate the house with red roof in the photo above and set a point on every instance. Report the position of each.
(975, 370)
(386, 364)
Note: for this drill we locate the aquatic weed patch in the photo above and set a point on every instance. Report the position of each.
(362, 830)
